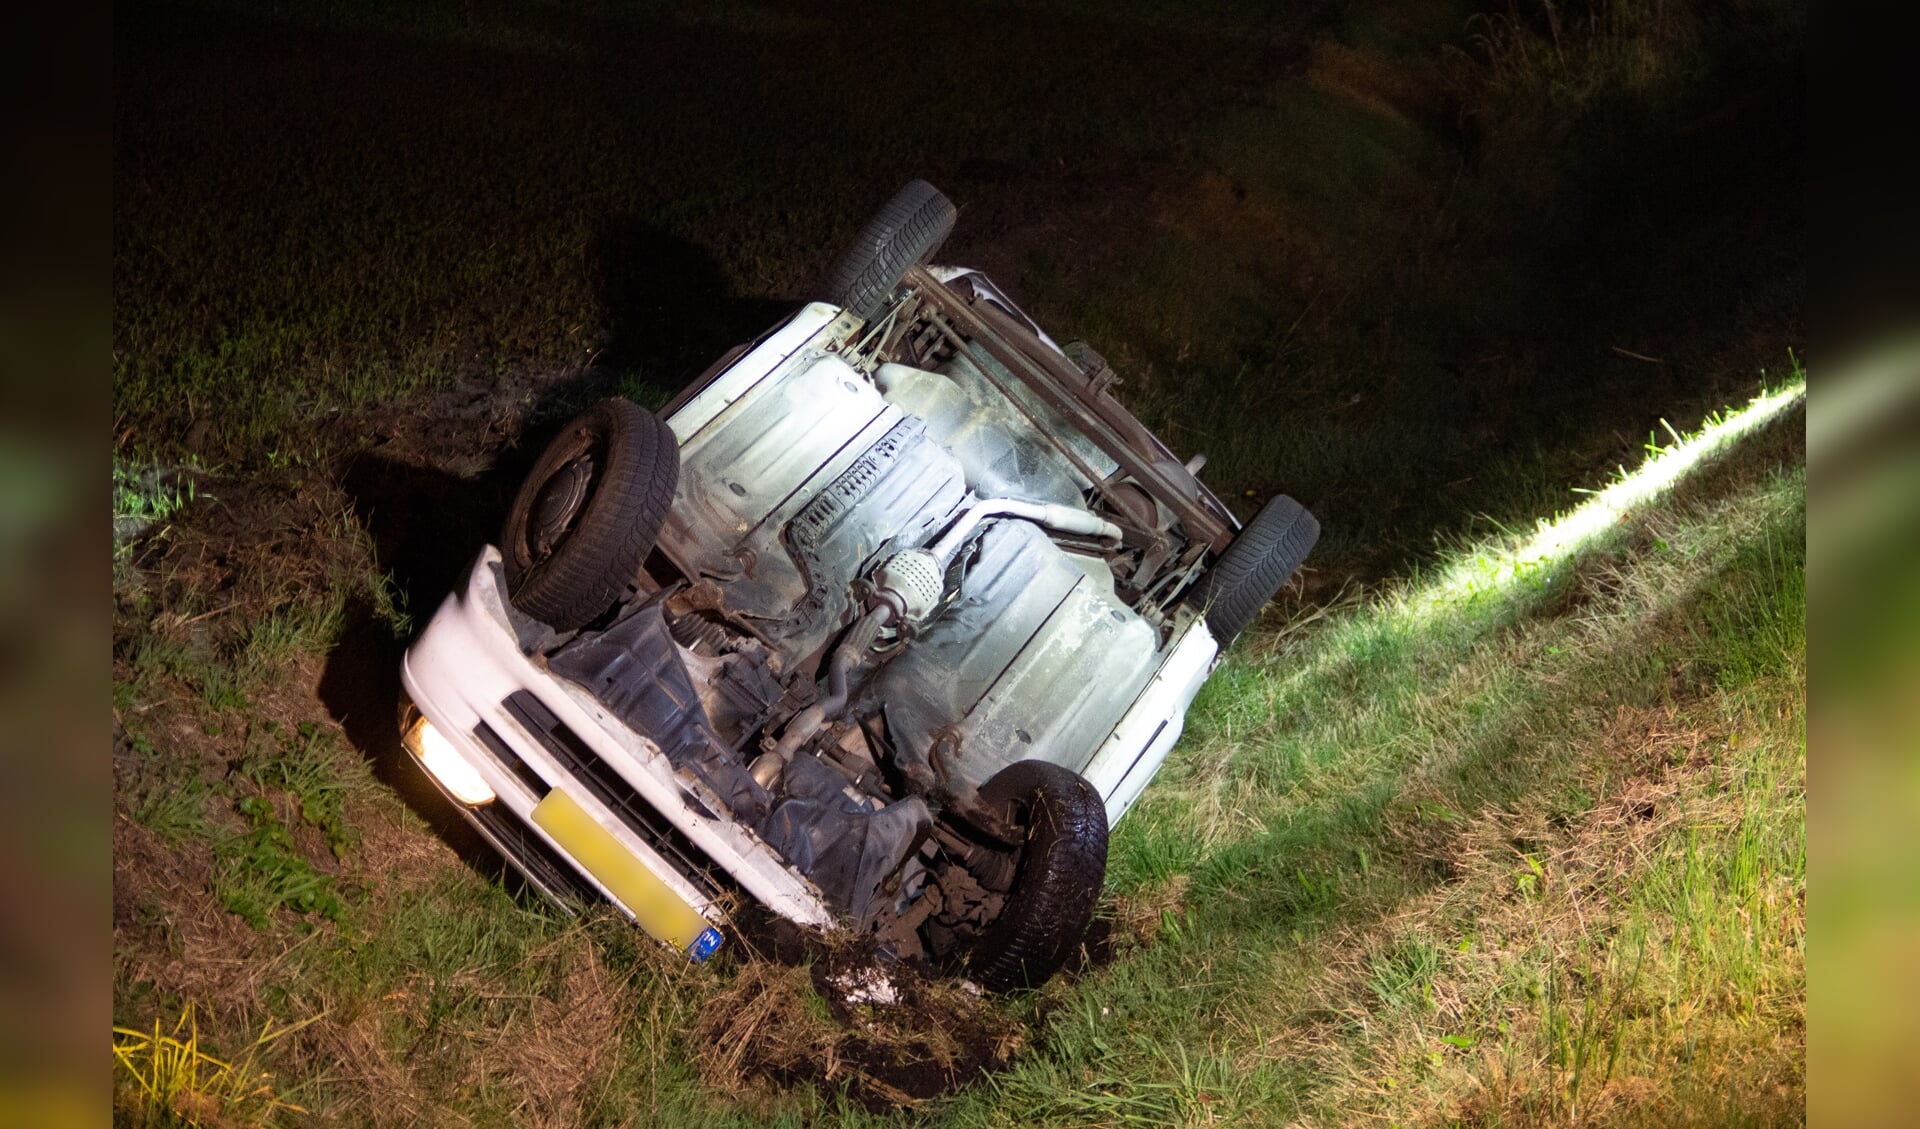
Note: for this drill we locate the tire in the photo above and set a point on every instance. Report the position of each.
(1058, 880)
(588, 513)
(1253, 568)
(906, 231)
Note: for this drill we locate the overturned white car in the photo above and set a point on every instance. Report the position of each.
(881, 626)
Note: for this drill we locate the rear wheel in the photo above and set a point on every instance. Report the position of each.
(1268, 551)
(908, 229)
(588, 514)
(1057, 883)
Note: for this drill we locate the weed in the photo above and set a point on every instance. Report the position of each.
(221, 686)
(177, 1082)
(173, 804)
(261, 871)
(149, 494)
(1401, 974)
(305, 763)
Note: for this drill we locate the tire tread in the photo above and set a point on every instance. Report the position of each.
(1060, 876)
(1267, 552)
(905, 230)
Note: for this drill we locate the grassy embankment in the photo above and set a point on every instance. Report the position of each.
(1518, 858)
(1518, 843)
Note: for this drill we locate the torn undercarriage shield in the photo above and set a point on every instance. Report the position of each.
(634, 668)
(846, 847)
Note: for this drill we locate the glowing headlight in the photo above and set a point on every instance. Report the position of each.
(438, 756)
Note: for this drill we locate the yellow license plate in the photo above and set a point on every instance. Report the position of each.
(660, 911)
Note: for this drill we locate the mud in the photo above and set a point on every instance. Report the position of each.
(806, 1011)
(780, 1027)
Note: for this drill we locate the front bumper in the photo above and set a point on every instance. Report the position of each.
(582, 803)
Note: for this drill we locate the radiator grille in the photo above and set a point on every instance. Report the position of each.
(611, 789)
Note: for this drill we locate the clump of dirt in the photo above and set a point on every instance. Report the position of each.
(887, 1035)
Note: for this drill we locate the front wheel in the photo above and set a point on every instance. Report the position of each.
(588, 513)
(1057, 883)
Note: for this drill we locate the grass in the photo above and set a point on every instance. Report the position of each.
(1515, 853)
(1497, 819)
(146, 496)
(179, 1083)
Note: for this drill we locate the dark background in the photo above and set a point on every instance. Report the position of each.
(1417, 270)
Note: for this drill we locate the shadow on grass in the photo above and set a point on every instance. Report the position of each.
(668, 308)
(360, 688)
(426, 526)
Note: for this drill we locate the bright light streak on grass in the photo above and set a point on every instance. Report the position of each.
(1498, 570)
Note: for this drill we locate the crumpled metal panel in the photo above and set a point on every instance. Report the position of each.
(1037, 659)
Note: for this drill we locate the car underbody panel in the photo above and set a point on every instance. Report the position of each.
(891, 572)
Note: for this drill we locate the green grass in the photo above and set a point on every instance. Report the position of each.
(145, 496)
(1485, 825)
(1486, 853)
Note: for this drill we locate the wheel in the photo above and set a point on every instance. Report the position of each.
(906, 231)
(588, 514)
(1254, 567)
(1060, 871)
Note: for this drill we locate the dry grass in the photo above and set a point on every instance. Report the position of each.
(170, 1077)
(539, 1044)
(375, 1085)
(1555, 994)
(172, 935)
(767, 1023)
(563, 1049)
(1140, 915)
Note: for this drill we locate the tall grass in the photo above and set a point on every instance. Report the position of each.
(1590, 55)
(179, 1083)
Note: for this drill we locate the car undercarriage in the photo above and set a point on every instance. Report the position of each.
(899, 592)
